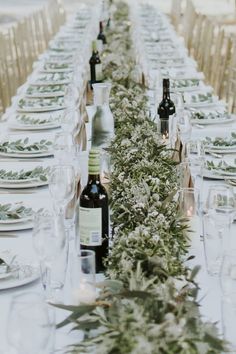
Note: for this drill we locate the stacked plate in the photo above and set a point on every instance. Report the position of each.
(15, 271)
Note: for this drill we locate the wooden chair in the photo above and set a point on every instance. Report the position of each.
(176, 12)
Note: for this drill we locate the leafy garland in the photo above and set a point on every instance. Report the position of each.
(149, 305)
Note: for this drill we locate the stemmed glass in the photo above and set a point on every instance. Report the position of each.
(62, 182)
(184, 128)
(70, 120)
(51, 245)
(228, 297)
(221, 205)
(62, 142)
(31, 325)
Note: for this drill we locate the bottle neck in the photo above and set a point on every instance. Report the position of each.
(100, 27)
(92, 178)
(166, 92)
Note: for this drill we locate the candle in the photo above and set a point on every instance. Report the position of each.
(86, 293)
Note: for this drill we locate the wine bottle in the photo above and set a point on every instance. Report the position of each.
(95, 65)
(94, 213)
(101, 38)
(166, 108)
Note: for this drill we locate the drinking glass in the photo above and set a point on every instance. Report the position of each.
(70, 119)
(183, 175)
(61, 183)
(51, 245)
(195, 148)
(163, 128)
(71, 95)
(184, 127)
(83, 277)
(228, 299)
(221, 205)
(189, 201)
(62, 142)
(31, 326)
(212, 245)
(196, 166)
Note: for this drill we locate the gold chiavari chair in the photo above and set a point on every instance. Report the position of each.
(189, 22)
(176, 12)
(230, 87)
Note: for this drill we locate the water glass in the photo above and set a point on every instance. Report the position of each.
(228, 299)
(163, 128)
(183, 175)
(62, 182)
(195, 148)
(184, 126)
(83, 277)
(189, 201)
(228, 317)
(70, 119)
(51, 245)
(196, 167)
(63, 142)
(213, 245)
(31, 325)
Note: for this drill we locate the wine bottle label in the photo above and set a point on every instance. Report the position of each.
(90, 226)
(99, 76)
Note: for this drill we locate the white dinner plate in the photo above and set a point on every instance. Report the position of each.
(15, 221)
(30, 155)
(45, 126)
(23, 185)
(221, 150)
(17, 181)
(16, 227)
(41, 83)
(40, 109)
(5, 275)
(212, 121)
(214, 175)
(49, 71)
(45, 94)
(11, 282)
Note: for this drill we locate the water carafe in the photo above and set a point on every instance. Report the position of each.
(103, 122)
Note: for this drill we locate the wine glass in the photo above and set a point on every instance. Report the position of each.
(62, 142)
(51, 246)
(71, 95)
(221, 205)
(62, 186)
(70, 119)
(184, 128)
(228, 297)
(31, 326)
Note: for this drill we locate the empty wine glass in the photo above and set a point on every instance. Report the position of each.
(51, 245)
(62, 181)
(31, 326)
(221, 205)
(184, 126)
(228, 298)
(62, 142)
(70, 120)
(71, 95)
